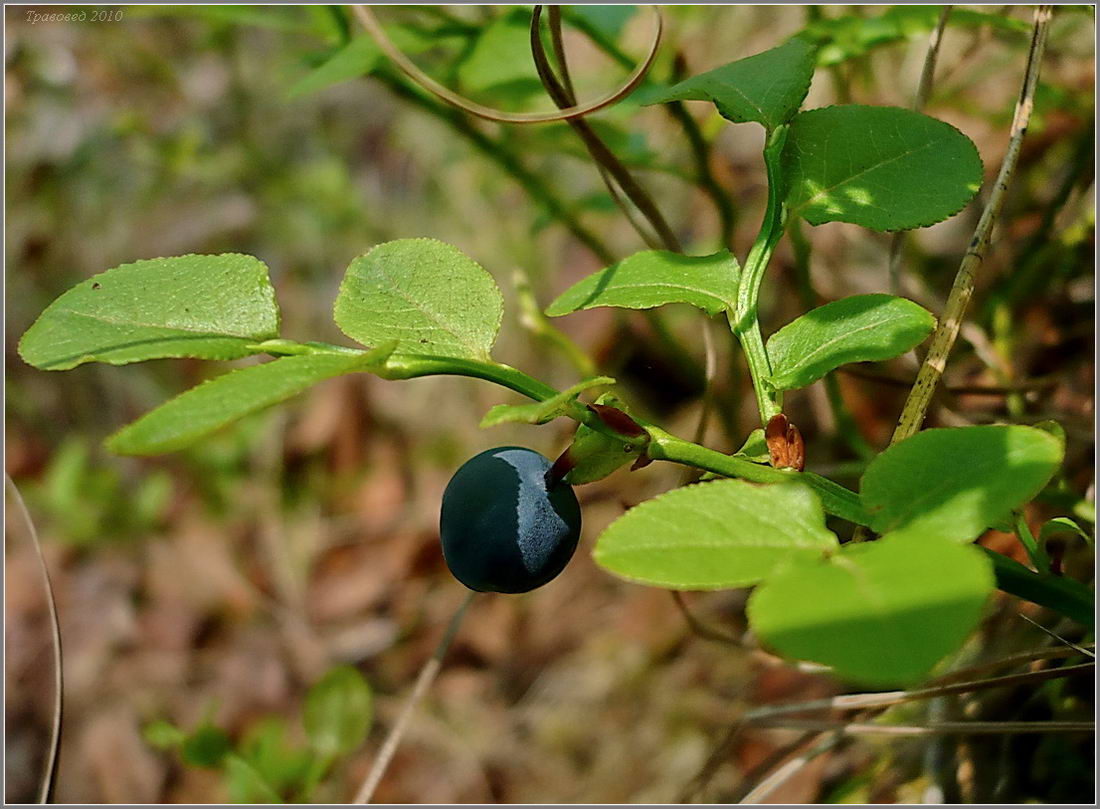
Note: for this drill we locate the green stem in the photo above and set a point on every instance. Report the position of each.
(411, 366)
(744, 321)
(531, 317)
(835, 498)
(1063, 595)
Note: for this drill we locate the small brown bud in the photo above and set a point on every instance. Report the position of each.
(617, 420)
(785, 444)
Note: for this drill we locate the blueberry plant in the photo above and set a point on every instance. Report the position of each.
(882, 612)
(896, 583)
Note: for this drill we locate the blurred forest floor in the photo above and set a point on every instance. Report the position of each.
(224, 580)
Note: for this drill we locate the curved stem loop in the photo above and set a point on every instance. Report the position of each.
(418, 76)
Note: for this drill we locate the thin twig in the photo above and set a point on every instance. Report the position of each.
(422, 79)
(614, 173)
(1043, 383)
(711, 765)
(1053, 653)
(848, 702)
(562, 94)
(700, 148)
(698, 627)
(1079, 649)
(710, 368)
(788, 770)
(49, 770)
(701, 153)
(884, 699)
(423, 681)
(599, 151)
(916, 406)
(931, 728)
(924, 90)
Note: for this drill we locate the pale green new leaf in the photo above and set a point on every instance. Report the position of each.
(501, 60)
(884, 168)
(854, 329)
(338, 711)
(197, 412)
(879, 613)
(653, 278)
(542, 412)
(707, 536)
(360, 57)
(209, 307)
(953, 483)
(425, 294)
(246, 784)
(755, 447)
(768, 87)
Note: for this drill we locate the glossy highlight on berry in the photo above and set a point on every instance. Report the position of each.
(502, 530)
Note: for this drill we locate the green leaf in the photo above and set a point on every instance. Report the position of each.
(245, 784)
(542, 412)
(724, 533)
(1063, 525)
(953, 483)
(596, 455)
(206, 747)
(361, 57)
(358, 58)
(854, 329)
(884, 168)
(197, 412)
(500, 61)
(338, 712)
(210, 307)
(653, 278)
(1062, 594)
(768, 87)
(277, 764)
(755, 447)
(428, 296)
(880, 613)
(163, 735)
(600, 21)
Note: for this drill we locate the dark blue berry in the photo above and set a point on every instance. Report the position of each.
(502, 530)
